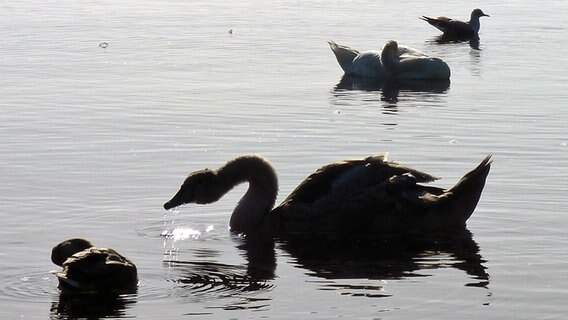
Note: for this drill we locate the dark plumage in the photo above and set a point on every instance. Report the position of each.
(87, 268)
(457, 28)
(364, 196)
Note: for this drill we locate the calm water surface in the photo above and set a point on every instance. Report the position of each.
(94, 141)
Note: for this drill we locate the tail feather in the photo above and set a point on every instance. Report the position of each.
(464, 196)
(344, 55)
(440, 23)
(475, 179)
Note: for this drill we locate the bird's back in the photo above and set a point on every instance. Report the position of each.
(373, 196)
(344, 55)
(98, 269)
(450, 26)
(343, 195)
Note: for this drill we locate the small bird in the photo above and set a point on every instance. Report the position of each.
(370, 196)
(89, 269)
(457, 28)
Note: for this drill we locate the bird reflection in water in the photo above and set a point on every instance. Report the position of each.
(91, 306)
(235, 286)
(386, 258)
(472, 40)
(391, 88)
(352, 266)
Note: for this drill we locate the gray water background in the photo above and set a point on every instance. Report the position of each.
(94, 140)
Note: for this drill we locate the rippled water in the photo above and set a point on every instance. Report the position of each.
(94, 141)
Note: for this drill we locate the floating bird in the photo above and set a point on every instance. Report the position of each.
(457, 28)
(89, 269)
(365, 64)
(393, 62)
(370, 196)
(412, 67)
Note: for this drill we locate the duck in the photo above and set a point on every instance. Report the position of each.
(372, 196)
(90, 269)
(403, 63)
(457, 28)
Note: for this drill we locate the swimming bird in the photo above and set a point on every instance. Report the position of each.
(370, 196)
(412, 67)
(91, 269)
(402, 63)
(365, 64)
(457, 28)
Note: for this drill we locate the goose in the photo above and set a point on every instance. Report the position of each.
(371, 64)
(91, 269)
(457, 28)
(368, 63)
(371, 196)
(412, 67)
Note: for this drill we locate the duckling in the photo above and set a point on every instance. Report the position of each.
(367, 196)
(91, 269)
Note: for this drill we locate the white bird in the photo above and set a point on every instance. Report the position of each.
(402, 62)
(457, 28)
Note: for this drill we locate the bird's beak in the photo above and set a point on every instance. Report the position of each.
(178, 199)
(486, 15)
(168, 205)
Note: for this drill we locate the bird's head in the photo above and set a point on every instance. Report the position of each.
(201, 187)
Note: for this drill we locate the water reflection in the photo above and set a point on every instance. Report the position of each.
(390, 88)
(386, 259)
(235, 286)
(91, 306)
(444, 39)
(260, 256)
(341, 264)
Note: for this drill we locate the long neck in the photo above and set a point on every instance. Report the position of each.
(260, 196)
(474, 23)
(390, 58)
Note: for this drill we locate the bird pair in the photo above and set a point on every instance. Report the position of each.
(399, 62)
